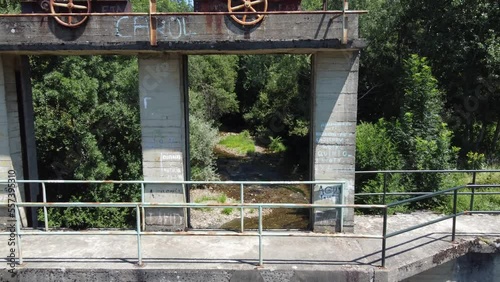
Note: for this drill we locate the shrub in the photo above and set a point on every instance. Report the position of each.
(227, 211)
(475, 160)
(203, 137)
(276, 145)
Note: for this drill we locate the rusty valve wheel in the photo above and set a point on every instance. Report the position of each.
(247, 6)
(68, 6)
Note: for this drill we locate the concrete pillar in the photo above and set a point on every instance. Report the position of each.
(30, 159)
(10, 133)
(163, 124)
(335, 87)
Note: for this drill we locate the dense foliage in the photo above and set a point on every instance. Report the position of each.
(87, 127)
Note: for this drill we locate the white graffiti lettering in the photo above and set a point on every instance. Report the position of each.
(172, 28)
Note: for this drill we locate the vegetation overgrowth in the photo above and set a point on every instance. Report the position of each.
(242, 143)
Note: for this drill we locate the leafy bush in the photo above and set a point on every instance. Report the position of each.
(475, 160)
(227, 211)
(375, 149)
(202, 138)
(276, 145)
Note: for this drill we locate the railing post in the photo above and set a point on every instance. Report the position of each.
(454, 215)
(242, 212)
(384, 238)
(385, 188)
(261, 259)
(18, 234)
(471, 208)
(138, 230)
(142, 207)
(45, 216)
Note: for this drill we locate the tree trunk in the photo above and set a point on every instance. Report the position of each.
(496, 136)
(480, 139)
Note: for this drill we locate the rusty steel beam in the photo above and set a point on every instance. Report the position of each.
(152, 23)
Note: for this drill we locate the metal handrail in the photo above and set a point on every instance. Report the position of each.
(260, 232)
(427, 171)
(138, 232)
(139, 206)
(389, 172)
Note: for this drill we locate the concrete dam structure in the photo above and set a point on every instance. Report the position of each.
(340, 246)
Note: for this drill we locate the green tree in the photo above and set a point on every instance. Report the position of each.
(274, 92)
(420, 133)
(212, 82)
(87, 127)
(282, 84)
(459, 38)
(212, 96)
(162, 6)
(10, 7)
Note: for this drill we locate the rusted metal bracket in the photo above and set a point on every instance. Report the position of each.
(152, 23)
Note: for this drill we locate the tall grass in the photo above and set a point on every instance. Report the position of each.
(243, 142)
(481, 202)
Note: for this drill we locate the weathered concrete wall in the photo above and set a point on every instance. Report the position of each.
(189, 33)
(335, 88)
(161, 88)
(471, 267)
(10, 132)
(195, 275)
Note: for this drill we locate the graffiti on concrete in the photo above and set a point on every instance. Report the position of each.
(168, 28)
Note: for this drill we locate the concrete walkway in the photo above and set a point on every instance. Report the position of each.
(208, 258)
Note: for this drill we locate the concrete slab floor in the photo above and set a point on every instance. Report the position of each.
(298, 257)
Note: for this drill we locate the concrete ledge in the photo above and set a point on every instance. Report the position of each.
(212, 258)
(190, 33)
(153, 275)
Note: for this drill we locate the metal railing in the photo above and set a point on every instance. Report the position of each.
(140, 206)
(452, 216)
(426, 195)
(387, 173)
(260, 233)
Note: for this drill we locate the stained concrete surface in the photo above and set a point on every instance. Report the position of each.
(210, 258)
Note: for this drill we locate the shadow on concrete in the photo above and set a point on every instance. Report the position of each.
(406, 250)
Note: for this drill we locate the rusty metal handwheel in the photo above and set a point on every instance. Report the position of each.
(68, 6)
(247, 6)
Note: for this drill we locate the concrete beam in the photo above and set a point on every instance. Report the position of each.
(187, 34)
